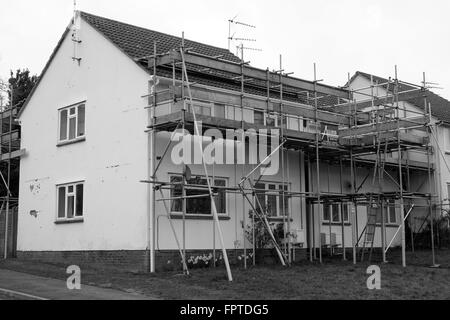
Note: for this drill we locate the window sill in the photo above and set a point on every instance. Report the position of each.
(274, 219)
(70, 221)
(197, 217)
(65, 143)
(346, 224)
(389, 225)
(277, 219)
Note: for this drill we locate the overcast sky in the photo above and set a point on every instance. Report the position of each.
(340, 36)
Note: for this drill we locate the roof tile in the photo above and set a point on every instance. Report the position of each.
(138, 42)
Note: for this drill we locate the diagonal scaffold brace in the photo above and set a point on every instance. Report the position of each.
(263, 218)
(200, 145)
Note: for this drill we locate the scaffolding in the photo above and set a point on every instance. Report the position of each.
(300, 113)
(9, 163)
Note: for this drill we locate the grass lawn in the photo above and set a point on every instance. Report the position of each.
(335, 279)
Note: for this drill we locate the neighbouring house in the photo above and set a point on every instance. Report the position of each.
(86, 128)
(414, 102)
(10, 154)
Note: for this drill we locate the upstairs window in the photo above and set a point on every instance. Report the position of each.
(294, 123)
(72, 123)
(258, 117)
(70, 201)
(448, 191)
(391, 216)
(234, 113)
(271, 120)
(333, 211)
(390, 213)
(201, 108)
(446, 139)
(219, 110)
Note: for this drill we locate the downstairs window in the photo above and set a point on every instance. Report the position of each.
(70, 201)
(200, 203)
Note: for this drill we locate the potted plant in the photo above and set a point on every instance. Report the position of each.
(262, 237)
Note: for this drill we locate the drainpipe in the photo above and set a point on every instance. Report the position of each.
(149, 160)
(438, 162)
(151, 193)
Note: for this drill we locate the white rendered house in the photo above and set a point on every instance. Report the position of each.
(85, 129)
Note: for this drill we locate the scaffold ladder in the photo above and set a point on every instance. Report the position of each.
(369, 235)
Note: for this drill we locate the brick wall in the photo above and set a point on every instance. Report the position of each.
(127, 260)
(137, 260)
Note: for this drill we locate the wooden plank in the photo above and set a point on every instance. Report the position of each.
(15, 154)
(413, 139)
(218, 123)
(301, 135)
(6, 114)
(306, 112)
(309, 113)
(394, 162)
(405, 138)
(6, 137)
(387, 126)
(253, 73)
(222, 124)
(163, 97)
(172, 117)
(345, 108)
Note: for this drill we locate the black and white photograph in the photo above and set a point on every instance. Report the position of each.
(225, 156)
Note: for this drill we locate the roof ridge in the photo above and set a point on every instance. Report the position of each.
(440, 105)
(437, 94)
(158, 32)
(367, 74)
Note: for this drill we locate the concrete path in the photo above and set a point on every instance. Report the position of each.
(24, 286)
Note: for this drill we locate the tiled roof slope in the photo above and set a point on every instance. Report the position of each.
(138, 42)
(250, 87)
(440, 107)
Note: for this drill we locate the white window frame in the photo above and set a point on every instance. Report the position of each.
(446, 139)
(207, 215)
(67, 195)
(327, 221)
(237, 110)
(213, 110)
(391, 206)
(69, 117)
(295, 118)
(448, 191)
(271, 116)
(259, 111)
(202, 105)
(278, 194)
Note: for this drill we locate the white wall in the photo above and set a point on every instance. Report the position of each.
(112, 160)
(199, 233)
(443, 159)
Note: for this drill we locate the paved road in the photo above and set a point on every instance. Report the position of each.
(5, 297)
(25, 286)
